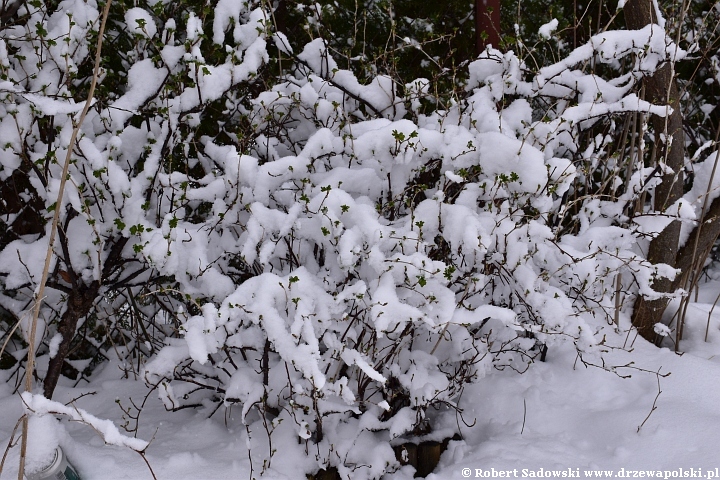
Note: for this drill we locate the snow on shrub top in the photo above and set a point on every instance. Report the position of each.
(313, 253)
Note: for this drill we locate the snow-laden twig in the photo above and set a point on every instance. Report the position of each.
(39, 405)
(36, 404)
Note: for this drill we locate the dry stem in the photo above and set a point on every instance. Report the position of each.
(53, 231)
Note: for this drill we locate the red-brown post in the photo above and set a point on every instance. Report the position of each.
(487, 24)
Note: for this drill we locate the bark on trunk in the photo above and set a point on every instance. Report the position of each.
(79, 303)
(710, 226)
(660, 89)
(281, 13)
(487, 24)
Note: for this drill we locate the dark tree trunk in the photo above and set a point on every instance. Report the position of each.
(660, 89)
(281, 14)
(81, 300)
(487, 24)
(708, 230)
(79, 303)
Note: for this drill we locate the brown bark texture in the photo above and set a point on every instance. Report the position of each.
(487, 24)
(660, 89)
(708, 231)
(79, 303)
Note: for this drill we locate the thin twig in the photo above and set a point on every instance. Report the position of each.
(9, 336)
(142, 454)
(654, 405)
(442, 334)
(10, 443)
(707, 328)
(79, 397)
(247, 429)
(618, 305)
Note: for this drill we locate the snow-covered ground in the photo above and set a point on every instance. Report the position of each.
(559, 415)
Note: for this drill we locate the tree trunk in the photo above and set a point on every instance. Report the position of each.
(710, 230)
(79, 303)
(281, 14)
(660, 89)
(487, 24)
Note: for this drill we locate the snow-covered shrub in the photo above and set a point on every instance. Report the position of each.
(384, 263)
(312, 250)
(163, 83)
